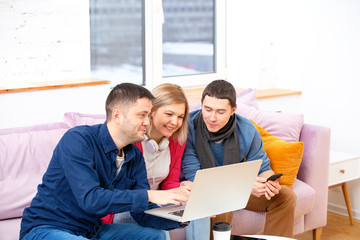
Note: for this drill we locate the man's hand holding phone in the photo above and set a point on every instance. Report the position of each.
(268, 186)
(272, 185)
(274, 177)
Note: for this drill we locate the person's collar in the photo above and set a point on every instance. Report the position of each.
(106, 139)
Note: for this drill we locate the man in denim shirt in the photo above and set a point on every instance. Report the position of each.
(218, 136)
(95, 171)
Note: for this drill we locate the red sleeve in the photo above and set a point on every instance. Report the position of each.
(139, 145)
(176, 153)
(108, 219)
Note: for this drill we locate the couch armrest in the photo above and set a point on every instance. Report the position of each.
(314, 170)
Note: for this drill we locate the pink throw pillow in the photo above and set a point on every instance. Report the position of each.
(286, 126)
(25, 153)
(247, 97)
(75, 119)
(194, 106)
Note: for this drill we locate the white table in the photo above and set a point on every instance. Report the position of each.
(268, 237)
(343, 167)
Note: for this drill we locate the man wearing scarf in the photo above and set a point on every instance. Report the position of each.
(218, 136)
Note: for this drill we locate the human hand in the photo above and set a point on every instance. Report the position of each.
(186, 183)
(272, 188)
(259, 187)
(183, 190)
(163, 197)
(267, 188)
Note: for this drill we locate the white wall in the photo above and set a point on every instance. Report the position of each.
(36, 107)
(43, 41)
(309, 45)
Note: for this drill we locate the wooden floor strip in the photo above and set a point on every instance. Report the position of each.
(338, 228)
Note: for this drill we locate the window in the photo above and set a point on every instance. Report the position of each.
(188, 37)
(148, 42)
(116, 40)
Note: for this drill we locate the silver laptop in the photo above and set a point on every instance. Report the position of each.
(215, 190)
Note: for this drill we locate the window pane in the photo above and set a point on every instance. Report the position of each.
(188, 37)
(116, 34)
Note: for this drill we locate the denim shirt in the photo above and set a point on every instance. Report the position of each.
(250, 145)
(80, 185)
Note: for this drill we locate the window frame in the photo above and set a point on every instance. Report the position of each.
(153, 55)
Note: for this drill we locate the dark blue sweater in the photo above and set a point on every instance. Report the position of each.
(80, 185)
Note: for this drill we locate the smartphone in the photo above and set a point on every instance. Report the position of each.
(274, 177)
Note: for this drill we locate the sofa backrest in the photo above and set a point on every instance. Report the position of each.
(25, 153)
(75, 119)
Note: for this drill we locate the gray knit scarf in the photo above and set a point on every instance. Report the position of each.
(231, 152)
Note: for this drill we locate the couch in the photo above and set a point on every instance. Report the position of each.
(25, 153)
(311, 180)
(311, 189)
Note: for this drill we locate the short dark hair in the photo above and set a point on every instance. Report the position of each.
(124, 95)
(220, 89)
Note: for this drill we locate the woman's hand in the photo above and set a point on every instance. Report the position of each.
(186, 183)
(183, 189)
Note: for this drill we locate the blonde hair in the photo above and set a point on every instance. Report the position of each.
(167, 94)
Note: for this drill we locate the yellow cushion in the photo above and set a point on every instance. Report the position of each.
(285, 157)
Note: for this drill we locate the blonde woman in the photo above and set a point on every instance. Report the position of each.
(164, 143)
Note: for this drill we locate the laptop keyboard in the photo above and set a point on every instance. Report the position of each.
(178, 213)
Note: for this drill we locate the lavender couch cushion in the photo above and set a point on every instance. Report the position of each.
(286, 126)
(10, 229)
(248, 222)
(75, 119)
(247, 97)
(24, 156)
(305, 198)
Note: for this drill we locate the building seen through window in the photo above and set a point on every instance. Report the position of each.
(118, 35)
(188, 37)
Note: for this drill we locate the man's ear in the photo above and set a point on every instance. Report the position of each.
(116, 113)
(233, 109)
